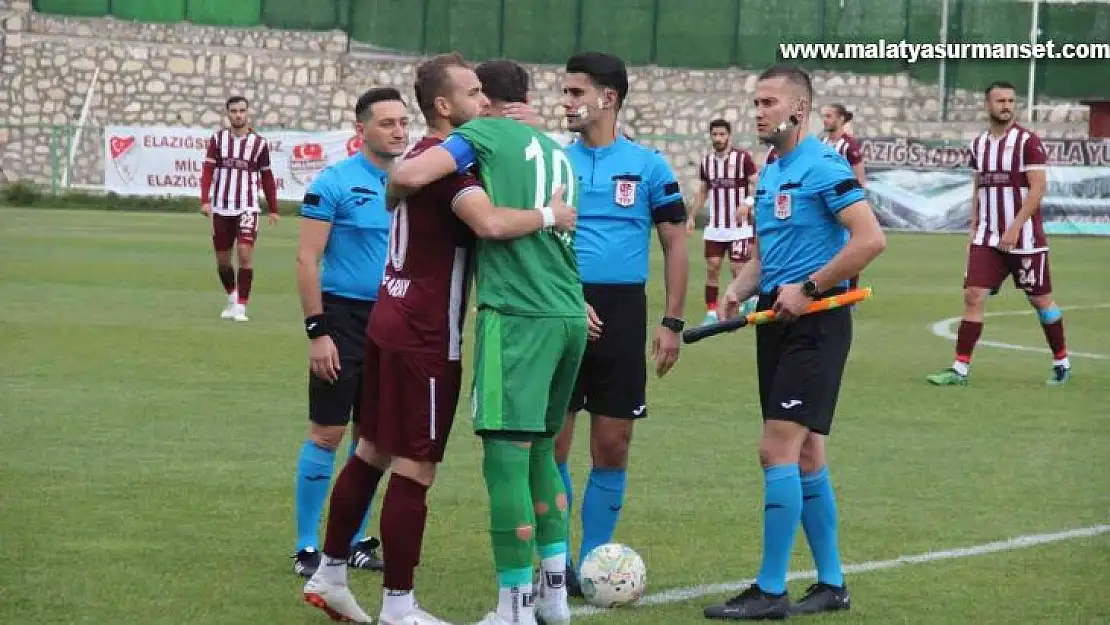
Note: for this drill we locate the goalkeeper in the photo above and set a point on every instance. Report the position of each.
(531, 333)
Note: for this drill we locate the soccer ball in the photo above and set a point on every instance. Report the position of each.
(613, 575)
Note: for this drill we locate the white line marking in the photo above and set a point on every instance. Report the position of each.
(943, 329)
(676, 595)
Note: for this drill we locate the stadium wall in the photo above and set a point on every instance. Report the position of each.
(180, 75)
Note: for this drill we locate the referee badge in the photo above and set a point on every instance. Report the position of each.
(782, 206)
(624, 193)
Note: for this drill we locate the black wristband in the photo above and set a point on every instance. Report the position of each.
(316, 326)
(673, 324)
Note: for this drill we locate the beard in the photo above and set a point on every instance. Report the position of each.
(459, 119)
(1002, 118)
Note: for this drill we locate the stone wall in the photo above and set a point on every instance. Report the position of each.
(181, 74)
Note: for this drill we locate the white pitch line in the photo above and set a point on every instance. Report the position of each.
(676, 595)
(943, 329)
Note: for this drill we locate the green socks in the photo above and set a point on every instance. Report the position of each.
(506, 466)
(547, 487)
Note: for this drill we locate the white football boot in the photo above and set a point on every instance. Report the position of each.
(240, 313)
(229, 308)
(334, 599)
(416, 617)
(552, 607)
(494, 619)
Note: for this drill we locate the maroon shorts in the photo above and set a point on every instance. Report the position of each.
(226, 230)
(408, 402)
(739, 251)
(987, 268)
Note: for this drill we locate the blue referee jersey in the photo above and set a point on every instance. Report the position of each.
(351, 196)
(624, 188)
(796, 205)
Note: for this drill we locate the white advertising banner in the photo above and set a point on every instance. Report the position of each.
(169, 160)
(165, 160)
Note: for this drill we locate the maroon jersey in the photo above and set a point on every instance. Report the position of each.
(846, 146)
(727, 178)
(234, 169)
(422, 301)
(770, 157)
(1001, 164)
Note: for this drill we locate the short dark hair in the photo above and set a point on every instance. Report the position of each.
(720, 123)
(235, 99)
(372, 97)
(504, 80)
(432, 79)
(793, 75)
(999, 84)
(604, 70)
(841, 111)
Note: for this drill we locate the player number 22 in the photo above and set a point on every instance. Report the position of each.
(561, 173)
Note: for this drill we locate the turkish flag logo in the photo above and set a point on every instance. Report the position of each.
(119, 145)
(308, 151)
(124, 157)
(354, 144)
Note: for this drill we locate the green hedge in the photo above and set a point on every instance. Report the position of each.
(24, 194)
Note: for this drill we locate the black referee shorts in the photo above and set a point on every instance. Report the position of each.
(801, 365)
(337, 403)
(612, 380)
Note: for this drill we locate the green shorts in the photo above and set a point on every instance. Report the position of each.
(524, 371)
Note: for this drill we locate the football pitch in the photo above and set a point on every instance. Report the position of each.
(148, 447)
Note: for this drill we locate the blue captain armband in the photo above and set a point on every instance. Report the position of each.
(462, 151)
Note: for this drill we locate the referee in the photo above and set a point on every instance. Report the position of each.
(341, 255)
(626, 191)
(814, 231)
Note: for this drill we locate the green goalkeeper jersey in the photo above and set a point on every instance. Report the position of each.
(535, 275)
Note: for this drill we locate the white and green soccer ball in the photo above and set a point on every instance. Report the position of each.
(613, 575)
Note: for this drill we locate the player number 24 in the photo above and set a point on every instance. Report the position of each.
(1027, 277)
(561, 174)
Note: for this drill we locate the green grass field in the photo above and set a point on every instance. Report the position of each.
(148, 448)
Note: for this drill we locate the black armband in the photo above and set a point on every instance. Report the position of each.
(316, 326)
(674, 213)
(845, 186)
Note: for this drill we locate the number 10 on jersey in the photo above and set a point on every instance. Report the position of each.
(561, 174)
